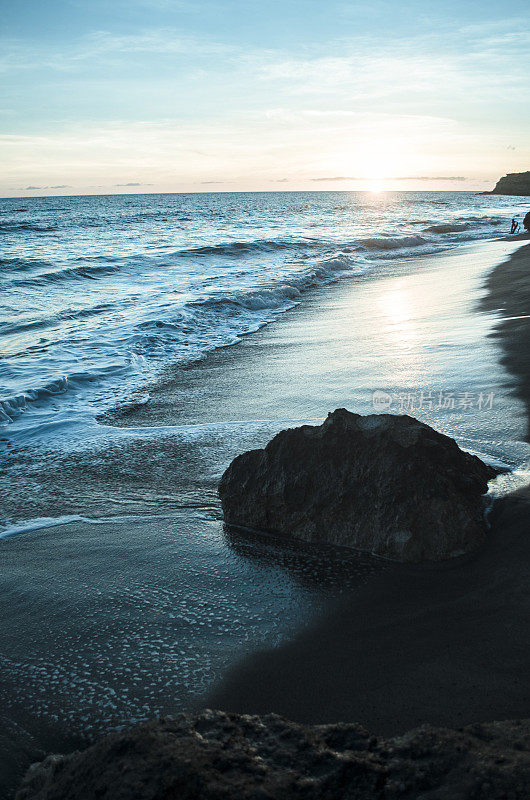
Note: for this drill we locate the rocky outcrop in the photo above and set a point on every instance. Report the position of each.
(515, 183)
(217, 756)
(384, 484)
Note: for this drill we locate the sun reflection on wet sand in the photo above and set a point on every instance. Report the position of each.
(398, 331)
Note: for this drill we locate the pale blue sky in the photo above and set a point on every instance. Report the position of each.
(171, 95)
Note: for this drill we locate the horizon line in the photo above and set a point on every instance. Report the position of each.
(245, 191)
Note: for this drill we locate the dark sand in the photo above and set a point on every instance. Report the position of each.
(446, 644)
(509, 292)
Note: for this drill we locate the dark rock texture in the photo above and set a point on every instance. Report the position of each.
(515, 183)
(385, 484)
(217, 756)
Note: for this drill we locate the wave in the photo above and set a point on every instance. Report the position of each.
(21, 265)
(272, 298)
(106, 219)
(449, 228)
(12, 407)
(104, 258)
(390, 243)
(187, 331)
(462, 224)
(69, 273)
(7, 328)
(227, 316)
(159, 216)
(237, 310)
(489, 221)
(235, 249)
(38, 523)
(431, 202)
(14, 227)
(246, 248)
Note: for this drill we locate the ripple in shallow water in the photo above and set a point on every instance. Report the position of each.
(119, 621)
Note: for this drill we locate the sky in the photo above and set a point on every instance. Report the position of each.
(117, 96)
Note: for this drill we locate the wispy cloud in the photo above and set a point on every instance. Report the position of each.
(336, 178)
(42, 188)
(475, 63)
(432, 178)
(104, 48)
(199, 6)
(429, 178)
(173, 106)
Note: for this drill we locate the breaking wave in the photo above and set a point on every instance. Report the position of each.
(235, 249)
(390, 243)
(449, 228)
(70, 273)
(13, 407)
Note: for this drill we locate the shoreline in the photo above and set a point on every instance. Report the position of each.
(508, 288)
(201, 415)
(174, 396)
(440, 644)
(237, 398)
(101, 471)
(163, 408)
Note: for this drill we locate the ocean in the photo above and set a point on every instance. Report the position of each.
(99, 293)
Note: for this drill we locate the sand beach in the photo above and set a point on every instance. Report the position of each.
(161, 608)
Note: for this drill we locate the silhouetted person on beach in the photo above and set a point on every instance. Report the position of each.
(526, 222)
(515, 226)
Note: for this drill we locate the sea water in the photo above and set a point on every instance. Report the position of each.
(98, 293)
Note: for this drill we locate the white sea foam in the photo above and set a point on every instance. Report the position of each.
(41, 523)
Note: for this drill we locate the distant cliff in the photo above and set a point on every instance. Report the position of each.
(516, 183)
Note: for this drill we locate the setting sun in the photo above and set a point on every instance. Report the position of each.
(376, 186)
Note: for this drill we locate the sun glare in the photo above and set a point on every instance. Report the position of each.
(376, 186)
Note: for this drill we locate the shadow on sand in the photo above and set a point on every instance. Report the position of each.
(445, 644)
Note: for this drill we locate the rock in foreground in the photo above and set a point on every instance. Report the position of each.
(217, 756)
(385, 484)
(515, 183)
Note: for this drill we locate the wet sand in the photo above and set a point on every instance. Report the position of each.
(508, 288)
(444, 644)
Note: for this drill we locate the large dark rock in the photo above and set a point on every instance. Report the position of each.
(385, 484)
(217, 756)
(515, 183)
